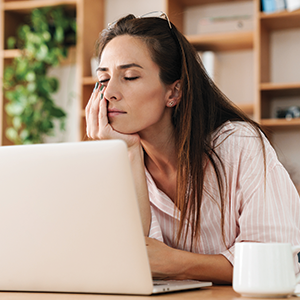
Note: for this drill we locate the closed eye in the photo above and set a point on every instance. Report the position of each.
(103, 81)
(126, 78)
(131, 78)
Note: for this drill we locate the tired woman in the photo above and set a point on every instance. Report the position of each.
(206, 176)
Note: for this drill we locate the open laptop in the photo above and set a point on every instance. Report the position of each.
(69, 221)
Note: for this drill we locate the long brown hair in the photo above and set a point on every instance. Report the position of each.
(202, 109)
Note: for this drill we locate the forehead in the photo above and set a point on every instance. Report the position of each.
(125, 49)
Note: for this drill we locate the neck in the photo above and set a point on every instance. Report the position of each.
(161, 158)
(160, 152)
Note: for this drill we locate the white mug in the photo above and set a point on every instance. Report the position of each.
(265, 269)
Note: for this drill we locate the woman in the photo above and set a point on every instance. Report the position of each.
(205, 175)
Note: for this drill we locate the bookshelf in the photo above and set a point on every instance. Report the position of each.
(258, 41)
(269, 90)
(219, 42)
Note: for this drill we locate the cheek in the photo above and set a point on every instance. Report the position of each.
(147, 97)
(149, 108)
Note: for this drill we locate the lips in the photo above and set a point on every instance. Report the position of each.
(115, 112)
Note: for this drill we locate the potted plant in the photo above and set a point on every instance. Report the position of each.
(44, 41)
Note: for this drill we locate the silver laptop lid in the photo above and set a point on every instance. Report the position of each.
(69, 220)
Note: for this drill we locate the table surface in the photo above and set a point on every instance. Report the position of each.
(207, 293)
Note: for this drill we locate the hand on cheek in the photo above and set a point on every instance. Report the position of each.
(97, 122)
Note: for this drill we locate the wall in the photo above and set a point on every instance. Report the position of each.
(119, 8)
(67, 98)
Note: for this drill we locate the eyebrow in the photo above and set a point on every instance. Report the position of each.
(122, 67)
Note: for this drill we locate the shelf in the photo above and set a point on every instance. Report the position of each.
(11, 53)
(281, 89)
(202, 2)
(247, 108)
(27, 6)
(281, 20)
(70, 59)
(223, 41)
(280, 123)
(89, 80)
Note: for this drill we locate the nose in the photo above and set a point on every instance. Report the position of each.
(112, 90)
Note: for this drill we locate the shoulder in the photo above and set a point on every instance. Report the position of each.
(235, 129)
(238, 135)
(240, 141)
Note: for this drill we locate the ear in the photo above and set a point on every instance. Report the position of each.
(174, 95)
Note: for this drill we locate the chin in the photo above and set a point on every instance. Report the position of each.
(123, 130)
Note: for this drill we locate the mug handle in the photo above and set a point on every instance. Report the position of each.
(295, 250)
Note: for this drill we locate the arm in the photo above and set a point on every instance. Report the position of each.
(98, 127)
(136, 157)
(169, 263)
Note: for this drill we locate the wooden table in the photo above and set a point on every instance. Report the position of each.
(208, 293)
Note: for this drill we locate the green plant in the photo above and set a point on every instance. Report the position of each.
(44, 42)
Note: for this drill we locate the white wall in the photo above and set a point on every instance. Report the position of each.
(67, 98)
(285, 56)
(236, 75)
(115, 9)
(287, 147)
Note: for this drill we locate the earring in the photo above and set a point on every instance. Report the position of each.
(171, 103)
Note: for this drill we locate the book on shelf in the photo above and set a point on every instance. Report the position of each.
(210, 62)
(270, 6)
(225, 23)
(292, 5)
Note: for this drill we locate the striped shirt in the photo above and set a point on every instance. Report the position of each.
(257, 208)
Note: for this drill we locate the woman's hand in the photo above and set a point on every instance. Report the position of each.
(97, 123)
(170, 263)
(161, 259)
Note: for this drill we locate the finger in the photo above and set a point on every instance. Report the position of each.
(103, 119)
(92, 111)
(87, 117)
(88, 108)
(91, 97)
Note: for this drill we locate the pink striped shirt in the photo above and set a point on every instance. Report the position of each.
(255, 209)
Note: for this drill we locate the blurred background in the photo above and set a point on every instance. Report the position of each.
(250, 49)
